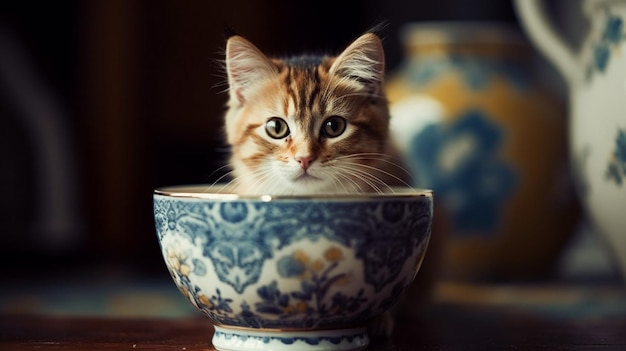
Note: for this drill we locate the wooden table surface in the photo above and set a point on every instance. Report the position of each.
(461, 317)
(450, 328)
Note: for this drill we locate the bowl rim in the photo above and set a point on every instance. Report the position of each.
(211, 192)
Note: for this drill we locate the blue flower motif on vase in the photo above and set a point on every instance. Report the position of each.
(613, 30)
(601, 55)
(461, 163)
(616, 170)
(612, 36)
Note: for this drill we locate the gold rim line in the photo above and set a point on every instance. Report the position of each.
(212, 192)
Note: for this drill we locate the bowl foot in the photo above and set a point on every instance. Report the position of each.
(231, 339)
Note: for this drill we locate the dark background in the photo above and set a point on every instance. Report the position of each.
(103, 101)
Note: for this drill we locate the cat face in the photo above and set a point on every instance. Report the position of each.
(307, 124)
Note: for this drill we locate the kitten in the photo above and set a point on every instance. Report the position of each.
(309, 124)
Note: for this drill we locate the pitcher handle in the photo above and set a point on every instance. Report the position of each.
(535, 23)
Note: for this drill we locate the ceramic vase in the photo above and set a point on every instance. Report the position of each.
(475, 125)
(596, 77)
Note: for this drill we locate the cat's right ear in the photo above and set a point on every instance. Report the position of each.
(363, 61)
(247, 67)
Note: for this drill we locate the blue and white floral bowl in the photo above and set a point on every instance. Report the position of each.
(292, 273)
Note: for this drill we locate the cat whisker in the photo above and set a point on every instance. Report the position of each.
(367, 155)
(267, 183)
(336, 180)
(372, 155)
(218, 180)
(273, 185)
(380, 170)
(221, 87)
(350, 178)
(260, 179)
(219, 170)
(378, 157)
(230, 186)
(258, 176)
(353, 160)
(371, 180)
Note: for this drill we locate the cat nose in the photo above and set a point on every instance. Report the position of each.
(305, 161)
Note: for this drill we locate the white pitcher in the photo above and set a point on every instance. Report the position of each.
(596, 77)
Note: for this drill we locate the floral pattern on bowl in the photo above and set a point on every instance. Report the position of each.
(293, 264)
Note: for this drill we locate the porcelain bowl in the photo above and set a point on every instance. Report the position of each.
(292, 273)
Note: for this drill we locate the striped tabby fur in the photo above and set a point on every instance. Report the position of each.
(309, 124)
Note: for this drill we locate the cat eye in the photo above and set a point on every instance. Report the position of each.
(334, 126)
(276, 128)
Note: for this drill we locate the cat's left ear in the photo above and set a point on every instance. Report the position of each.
(247, 67)
(363, 61)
